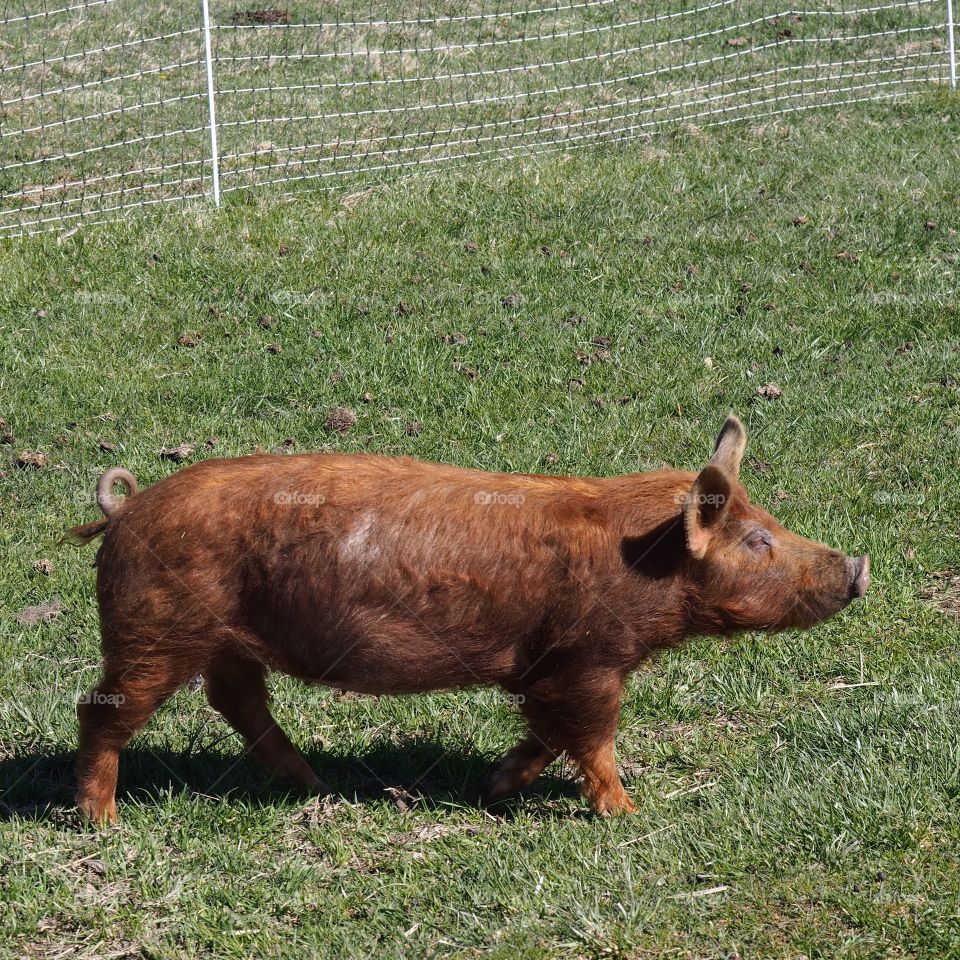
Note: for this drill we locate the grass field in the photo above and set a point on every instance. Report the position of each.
(103, 105)
(797, 795)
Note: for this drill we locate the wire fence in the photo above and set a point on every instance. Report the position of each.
(108, 105)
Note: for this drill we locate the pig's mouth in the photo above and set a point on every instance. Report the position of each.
(815, 608)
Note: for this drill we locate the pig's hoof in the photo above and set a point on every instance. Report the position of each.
(612, 806)
(509, 777)
(501, 784)
(297, 772)
(97, 812)
(319, 788)
(303, 778)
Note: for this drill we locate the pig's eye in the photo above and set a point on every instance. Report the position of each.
(759, 540)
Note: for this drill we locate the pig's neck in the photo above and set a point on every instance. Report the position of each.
(656, 600)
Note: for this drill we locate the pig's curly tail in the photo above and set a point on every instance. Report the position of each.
(107, 502)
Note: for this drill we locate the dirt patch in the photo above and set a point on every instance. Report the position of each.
(771, 391)
(471, 373)
(178, 454)
(31, 459)
(341, 420)
(943, 593)
(848, 256)
(42, 613)
(260, 17)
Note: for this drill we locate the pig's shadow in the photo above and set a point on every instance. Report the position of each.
(421, 772)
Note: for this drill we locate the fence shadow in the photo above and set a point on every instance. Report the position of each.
(418, 773)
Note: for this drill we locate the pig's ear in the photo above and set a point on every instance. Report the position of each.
(730, 445)
(705, 506)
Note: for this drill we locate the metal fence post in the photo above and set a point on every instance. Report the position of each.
(951, 48)
(212, 103)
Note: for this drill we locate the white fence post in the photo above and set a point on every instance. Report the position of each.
(951, 46)
(212, 103)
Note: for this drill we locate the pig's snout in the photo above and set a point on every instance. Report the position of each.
(859, 575)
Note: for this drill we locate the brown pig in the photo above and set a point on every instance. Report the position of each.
(391, 576)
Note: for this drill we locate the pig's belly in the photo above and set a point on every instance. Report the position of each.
(393, 652)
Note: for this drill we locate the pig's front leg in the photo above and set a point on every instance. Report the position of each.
(579, 714)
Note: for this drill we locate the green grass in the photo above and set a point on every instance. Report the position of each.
(814, 777)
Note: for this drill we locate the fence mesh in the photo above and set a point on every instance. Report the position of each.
(104, 103)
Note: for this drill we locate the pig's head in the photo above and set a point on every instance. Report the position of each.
(747, 572)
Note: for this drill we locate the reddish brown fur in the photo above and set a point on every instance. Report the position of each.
(386, 575)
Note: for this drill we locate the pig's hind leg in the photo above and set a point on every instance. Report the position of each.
(236, 688)
(109, 716)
